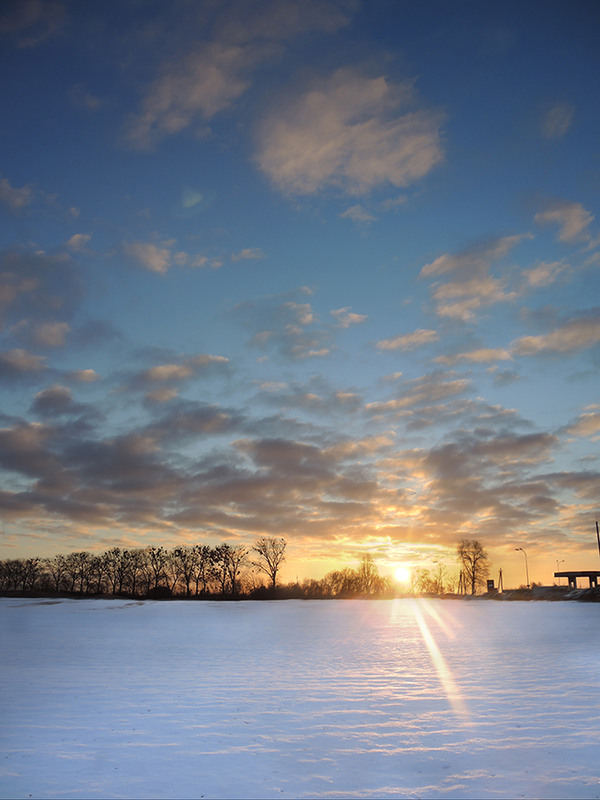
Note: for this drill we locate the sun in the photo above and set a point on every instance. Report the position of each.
(402, 574)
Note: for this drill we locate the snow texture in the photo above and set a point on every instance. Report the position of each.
(362, 699)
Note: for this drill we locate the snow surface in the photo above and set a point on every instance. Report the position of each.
(393, 698)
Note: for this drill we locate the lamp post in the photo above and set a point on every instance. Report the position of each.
(558, 563)
(526, 567)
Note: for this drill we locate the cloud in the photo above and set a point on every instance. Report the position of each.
(84, 376)
(30, 22)
(51, 334)
(150, 256)
(577, 334)
(78, 242)
(557, 121)
(587, 424)
(572, 219)
(159, 258)
(544, 274)
(248, 253)
(19, 362)
(357, 214)
(473, 260)
(349, 131)
(472, 287)
(479, 356)
(314, 395)
(16, 199)
(201, 84)
(214, 73)
(35, 287)
(57, 401)
(285, 325)
(346, 317)
(161, 380)
(409, 341)
(423, 391)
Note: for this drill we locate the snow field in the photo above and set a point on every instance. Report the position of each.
(409, 698)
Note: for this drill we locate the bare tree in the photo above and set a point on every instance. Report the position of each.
(236, 559)
(271, 553)
(473, 562)
(186, 560)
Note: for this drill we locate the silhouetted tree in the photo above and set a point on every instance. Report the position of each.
(156, 562)
(55, 568)
(369, 580)
(473, 562)
(271, 553)
(236, 558)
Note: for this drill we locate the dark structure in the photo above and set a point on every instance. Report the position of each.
(572, 575)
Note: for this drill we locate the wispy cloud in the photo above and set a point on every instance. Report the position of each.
(557, 121)
(426, 390)
(351, 131)
(472, 287)
(248, 253)
(572, 220)
(577, 334)
(13, 198)
(161, 257)
(345, 317)
(19, 362)
(480, 356)
(218, 69)
(282, 324)
(587, 424)
(409, 341)
(30, 22)
(152, 257)
(358, 214)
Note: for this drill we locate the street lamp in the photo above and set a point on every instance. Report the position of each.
(558, 563)
(526, 567)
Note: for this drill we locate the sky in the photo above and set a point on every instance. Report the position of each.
(318, 269)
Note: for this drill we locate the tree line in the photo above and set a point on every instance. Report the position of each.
(224, 571)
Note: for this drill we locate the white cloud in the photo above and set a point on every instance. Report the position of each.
(571, 218)
(345, 317)
(85, 376)
(423, 391)
(472, 287)
(473, 260)
(575, 335)
(481, 356)
(203, 83)
(557, 121)
(208, 79)
(51, 334)
(150, 256)
(78, 241)
(409, 341)
(350, 131)
(248, 253)
(587, 424)
(15, 199)
(543, 274)
(19, 361)
(357, 214)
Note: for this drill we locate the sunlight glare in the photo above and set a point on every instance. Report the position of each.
(451, 689)
(402, 574)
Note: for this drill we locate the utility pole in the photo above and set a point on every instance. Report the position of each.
(526, 567)
(598, 536)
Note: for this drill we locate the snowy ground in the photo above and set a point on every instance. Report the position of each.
(404, 698)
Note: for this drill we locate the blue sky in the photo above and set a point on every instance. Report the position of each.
(321, 270)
